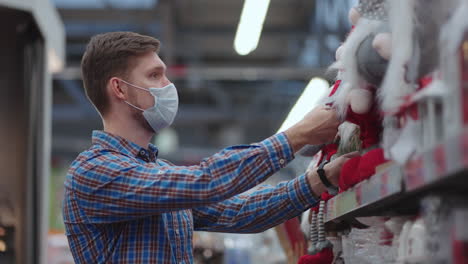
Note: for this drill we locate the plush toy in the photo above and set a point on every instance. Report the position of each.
(361, 63)
(362, 59)
(323, 257)
(360, 168)
(454, 71)
(415, 27)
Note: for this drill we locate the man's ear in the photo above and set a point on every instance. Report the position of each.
(116, 89)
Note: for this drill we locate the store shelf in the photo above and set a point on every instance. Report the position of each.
(398, 189)
(367, 194)
(444, 161)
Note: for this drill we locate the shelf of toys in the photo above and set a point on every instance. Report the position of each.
(437, 170)
(402, 92)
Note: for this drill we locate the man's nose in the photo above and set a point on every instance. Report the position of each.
(166, 81)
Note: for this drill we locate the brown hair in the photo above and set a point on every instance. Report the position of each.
(107, 55)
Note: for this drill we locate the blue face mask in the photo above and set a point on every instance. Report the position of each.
(166, 103)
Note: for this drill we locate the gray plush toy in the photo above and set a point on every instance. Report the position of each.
(373, 52)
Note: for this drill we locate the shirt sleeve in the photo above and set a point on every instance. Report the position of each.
(256, 212)
(113, 187)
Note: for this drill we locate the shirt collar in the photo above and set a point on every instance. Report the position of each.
(120, 144)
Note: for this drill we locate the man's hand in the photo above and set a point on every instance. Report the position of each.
(317, 127)
(332, 171)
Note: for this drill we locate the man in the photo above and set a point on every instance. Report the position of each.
(123, 205)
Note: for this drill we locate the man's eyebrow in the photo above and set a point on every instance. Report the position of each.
(157, 68)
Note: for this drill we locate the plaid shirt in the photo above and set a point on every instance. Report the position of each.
(123, 205)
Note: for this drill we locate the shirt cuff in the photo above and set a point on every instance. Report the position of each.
(301, 194)
(279, 150)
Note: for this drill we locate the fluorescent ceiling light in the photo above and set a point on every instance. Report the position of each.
(315, 90)
(250, 25)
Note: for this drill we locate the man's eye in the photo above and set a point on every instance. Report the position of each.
(155, 75)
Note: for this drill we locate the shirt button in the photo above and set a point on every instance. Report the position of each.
(281, 161)
(177, 232)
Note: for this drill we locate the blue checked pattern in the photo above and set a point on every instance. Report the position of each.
(123, 205)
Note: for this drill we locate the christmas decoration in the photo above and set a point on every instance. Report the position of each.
(321, 250)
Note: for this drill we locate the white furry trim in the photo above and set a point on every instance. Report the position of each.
(341, 99)
(451, 37)
(336, 67)
(452, 32)
(346, 130)
(390, 135)
(325, 99)
(350, 76)
(305, 224)
(394, 86)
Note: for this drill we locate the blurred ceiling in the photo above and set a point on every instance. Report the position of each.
(225, 98)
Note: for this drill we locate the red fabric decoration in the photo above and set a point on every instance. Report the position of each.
(326, 196)
(425, 81)
(349, 173)
(323, 257)
(410, 108)
(328, 151)
(369, 162)
(369, 123)
(360, 168)
(335, 88)
(459, 251)
(386, 237)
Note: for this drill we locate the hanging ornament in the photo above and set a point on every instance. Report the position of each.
(321, 250)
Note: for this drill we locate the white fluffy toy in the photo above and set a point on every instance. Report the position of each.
(415, 27)
(362, 59)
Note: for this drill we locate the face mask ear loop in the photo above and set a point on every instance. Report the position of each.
(136, 86)
(134, 106)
